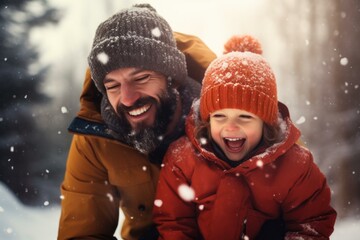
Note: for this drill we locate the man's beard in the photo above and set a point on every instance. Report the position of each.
(147, 138)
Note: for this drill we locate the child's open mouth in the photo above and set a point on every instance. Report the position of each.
(234, 144)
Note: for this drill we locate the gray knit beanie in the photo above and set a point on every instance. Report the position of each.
(135, 37)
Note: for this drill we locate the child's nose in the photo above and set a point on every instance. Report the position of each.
(231, 125)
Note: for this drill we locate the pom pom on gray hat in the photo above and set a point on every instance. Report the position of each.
(135, 37)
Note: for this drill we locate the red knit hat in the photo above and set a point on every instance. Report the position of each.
(242, 79)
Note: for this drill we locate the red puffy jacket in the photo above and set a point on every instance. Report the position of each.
(283, 182)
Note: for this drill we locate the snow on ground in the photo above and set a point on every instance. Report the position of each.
(18, 222)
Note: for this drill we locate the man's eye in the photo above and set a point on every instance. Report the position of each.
(143, 78)
(110, 87)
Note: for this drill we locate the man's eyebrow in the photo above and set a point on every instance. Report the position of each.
(137, 70)
(107, 80)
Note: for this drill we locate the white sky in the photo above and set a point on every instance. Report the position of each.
(212, 20)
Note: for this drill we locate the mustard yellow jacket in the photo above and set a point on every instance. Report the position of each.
(103, 174)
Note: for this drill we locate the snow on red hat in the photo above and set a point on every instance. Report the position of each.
(242, 79)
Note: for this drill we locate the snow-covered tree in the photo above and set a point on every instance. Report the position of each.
(21, 143)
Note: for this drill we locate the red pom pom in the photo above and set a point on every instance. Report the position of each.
(243, 43)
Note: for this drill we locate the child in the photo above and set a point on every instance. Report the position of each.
(239, 173)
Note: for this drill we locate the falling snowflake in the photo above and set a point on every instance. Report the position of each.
(259, 163)
(64, 109)
(158, 202)
(186, 192)
(156, 32)
(46, 203)
(344, 61)
(301, 120)
(203, 141)
(111, 198)
(103, 58)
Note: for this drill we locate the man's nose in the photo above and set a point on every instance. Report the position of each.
(129, 95)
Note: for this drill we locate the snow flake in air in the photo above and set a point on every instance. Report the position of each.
(103, 58)
(203, 141)
(158, 202)
(64, 109)
(259, 163)
(301, 120)
(156, 32)
(186, 192)
(111, 198)
(46, 203)
(344, 61)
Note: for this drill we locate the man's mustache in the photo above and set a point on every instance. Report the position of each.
(139, 103)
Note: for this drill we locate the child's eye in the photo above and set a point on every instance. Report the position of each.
(218, 115)
(246, 116)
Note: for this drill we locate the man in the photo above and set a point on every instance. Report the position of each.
(127, 122)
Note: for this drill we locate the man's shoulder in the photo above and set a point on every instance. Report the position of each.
(86, 127)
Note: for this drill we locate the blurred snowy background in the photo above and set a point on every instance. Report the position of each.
(312, 46)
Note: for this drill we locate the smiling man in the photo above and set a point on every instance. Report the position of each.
(145, 103)
(134, 102)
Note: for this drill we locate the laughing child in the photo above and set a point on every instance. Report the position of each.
(239, 173)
